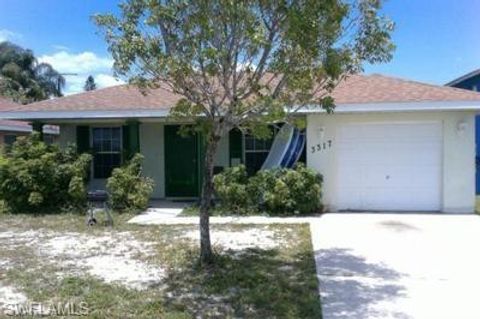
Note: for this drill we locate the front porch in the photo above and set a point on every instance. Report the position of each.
(172, 160)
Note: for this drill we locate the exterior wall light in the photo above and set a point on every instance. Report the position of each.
(462, 127)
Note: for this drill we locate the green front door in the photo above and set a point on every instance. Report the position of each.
(181, 163)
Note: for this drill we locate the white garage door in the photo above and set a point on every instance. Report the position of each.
(389, 166)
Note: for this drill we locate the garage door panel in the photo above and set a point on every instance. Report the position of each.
(350, 198)
(385, 176)
(392, 198)
(394, 166)
(414, 199)
(352, 177)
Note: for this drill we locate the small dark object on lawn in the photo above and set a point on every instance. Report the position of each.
(98, 199)
(91, 221)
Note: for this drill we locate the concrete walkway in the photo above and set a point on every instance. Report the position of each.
(155, 218)
(386, 265)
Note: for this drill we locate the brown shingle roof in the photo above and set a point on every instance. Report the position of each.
(378, 88)
(7, 105)
(357, 89)
(120, 97)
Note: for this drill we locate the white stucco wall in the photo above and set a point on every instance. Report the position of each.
(223, 155)
(458, 176)
(68, 134)
(152, 147)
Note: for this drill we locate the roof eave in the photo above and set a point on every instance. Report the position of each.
(417, 106)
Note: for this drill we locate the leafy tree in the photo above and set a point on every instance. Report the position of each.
(243, 64)
(90, 84)
(24, 79)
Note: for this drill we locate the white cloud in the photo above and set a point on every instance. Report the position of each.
(82, 65)
(83, 62)
(105, 80)
(7, 35)
(75, 83)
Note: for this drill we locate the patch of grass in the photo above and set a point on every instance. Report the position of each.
(254, 283)
(277, 283)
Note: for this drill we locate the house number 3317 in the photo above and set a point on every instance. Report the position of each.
(321, 146)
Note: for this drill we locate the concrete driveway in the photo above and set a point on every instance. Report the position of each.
(398, 265)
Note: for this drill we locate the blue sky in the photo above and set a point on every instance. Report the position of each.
(437, 41)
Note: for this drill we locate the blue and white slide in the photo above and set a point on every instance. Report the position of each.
(297, 152)
(286, 149)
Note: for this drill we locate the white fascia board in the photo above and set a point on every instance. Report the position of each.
(53, 115)
(340, 108)
(399, 107)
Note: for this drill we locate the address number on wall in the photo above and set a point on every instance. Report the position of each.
(321, 146)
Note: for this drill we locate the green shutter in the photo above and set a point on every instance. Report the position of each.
(131, 139)
(235, 146)
(83, 139)
(125, 143)
(38, 127)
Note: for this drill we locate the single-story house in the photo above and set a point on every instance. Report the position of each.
(10, 130)
(391, 144)
(471, 81)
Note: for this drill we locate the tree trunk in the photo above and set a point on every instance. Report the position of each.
(206, 254)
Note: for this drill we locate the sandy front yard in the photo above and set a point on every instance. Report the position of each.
(136, 271)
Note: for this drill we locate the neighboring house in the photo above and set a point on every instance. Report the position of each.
(391, 144)
(471, 81)
(10, 130)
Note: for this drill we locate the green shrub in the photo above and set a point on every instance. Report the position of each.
(275, 192)
(231, 188)
(40, 178)
(128, 190)
(287, 191)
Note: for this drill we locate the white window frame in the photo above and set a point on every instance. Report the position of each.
(92, 128)
(245, 151)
